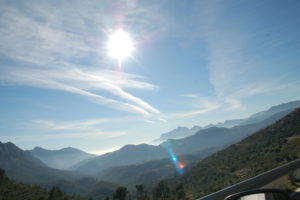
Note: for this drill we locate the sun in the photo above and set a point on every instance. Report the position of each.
(120, 45)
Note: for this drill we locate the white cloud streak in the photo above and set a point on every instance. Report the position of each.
(83, 135)
(70, 125)
(190, 95)
(238, 54)
(76, 81)
(44, 43)
(194, 113)
(79, 125)
(234, 104)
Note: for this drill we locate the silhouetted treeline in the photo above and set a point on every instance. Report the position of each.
(161, 191)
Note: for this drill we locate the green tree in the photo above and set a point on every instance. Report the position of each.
(179, 192)
(141, 193)
(161, 191)
(2, 174)
(140, 190)
(56, 194)
(120, 193)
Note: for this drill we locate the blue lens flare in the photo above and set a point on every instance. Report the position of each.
(178, 165)
(174, 158)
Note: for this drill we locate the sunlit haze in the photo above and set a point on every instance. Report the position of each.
(120, 45)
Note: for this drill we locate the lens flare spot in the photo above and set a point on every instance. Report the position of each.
(181, 166)
(174, 158)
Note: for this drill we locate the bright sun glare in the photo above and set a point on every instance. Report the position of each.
(120, 45)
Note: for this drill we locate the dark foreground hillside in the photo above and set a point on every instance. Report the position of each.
(11, 190)
(21, 166)
(266, 149)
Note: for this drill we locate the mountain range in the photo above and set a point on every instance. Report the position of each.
(190, 150)
(264, 150)
(203, 143)
(148, 172)
(22, 166)
(132, 164)
(127, 155)
(60, 159)
(197, 140)
(181, 131)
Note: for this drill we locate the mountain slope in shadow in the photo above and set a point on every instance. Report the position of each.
(24, 167)
(264, 150)
(21, 166)
(203, 143)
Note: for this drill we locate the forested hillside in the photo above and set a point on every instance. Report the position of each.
(202, 144)
(21, 166)
(264, 150)
(146, 173)
(260, 152)
(197, 147)
(11, 190)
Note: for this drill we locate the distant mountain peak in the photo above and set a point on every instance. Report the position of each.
(70, 149)
(38, 148)
(179, 132)
(291, 104)
(181, 127)
(8, 144)
(9, 147)
(202, 143)
(61, 158)
(132, 146)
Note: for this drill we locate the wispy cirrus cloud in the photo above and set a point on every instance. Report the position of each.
(190, 95)
(244, 59)
(198, 104)
(46, 32)
(209, 104)
(82, 135)
(193, 113)
(77, 125)
(46, 45)
(233, 104)
(246, 52)
(76, 80)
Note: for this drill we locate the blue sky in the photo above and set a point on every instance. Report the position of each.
(194, 63)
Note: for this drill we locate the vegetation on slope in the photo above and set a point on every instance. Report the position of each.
(137, 169)
(86, 186)
(21, 166)
(264, 150)
(260, 152)
(146, 173)
(11, 190)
